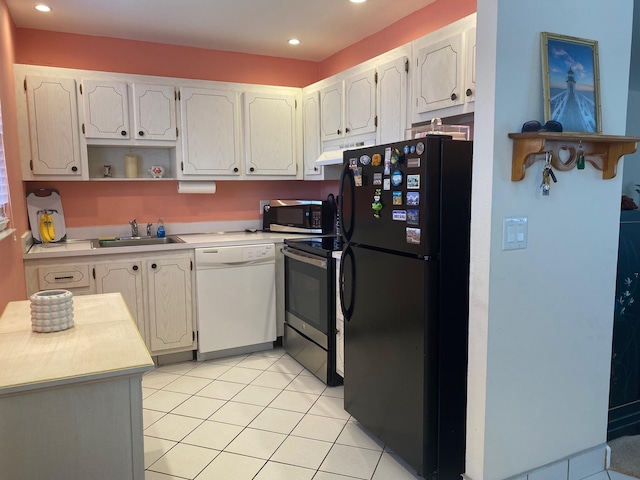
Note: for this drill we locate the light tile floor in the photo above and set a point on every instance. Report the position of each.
(260, 416)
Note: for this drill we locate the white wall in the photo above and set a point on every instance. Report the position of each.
(541, 318)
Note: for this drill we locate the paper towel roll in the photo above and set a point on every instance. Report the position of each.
(196, 187)
(131, 166)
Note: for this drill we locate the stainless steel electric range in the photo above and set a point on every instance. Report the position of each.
(310, 305)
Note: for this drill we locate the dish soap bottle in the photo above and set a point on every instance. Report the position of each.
(160, 233)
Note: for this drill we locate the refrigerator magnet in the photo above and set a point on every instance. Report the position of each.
(386, 184)
(413, 182)
(365, 159)
(413, 162)
(357, 176)
(377, 178)
(376, 160)
(420, 148)
(387, 161)
(413, 217)
(413, 235)
(413, 198)
(397, 198)
(353, 163)
(413, 149)
(400, 215)
(407, 149)
(396, 178)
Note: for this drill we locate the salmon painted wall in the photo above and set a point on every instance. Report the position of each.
(12, 285)
(426, 20)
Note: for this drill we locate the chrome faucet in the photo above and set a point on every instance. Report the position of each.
(149, 225)
(134, 227)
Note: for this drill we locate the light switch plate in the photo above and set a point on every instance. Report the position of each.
(514, 233)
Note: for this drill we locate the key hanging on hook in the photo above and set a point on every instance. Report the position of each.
(580, 157)
(547, 175)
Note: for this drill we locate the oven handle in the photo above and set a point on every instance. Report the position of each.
(304, 258)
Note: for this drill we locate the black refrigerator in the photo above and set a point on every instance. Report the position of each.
(405, 212)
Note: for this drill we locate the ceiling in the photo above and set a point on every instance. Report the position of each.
(261, 27)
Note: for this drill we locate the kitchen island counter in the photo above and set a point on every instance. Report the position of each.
(71, 401)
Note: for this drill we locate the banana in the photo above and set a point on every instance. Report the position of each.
(47, 231)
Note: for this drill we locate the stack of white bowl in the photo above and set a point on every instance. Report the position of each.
(51, 310)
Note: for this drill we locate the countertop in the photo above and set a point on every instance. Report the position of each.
(72, 248)
(104, 342)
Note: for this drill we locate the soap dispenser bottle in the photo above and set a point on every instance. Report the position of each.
(160, 230)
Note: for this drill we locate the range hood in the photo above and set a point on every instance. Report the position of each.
(330, 157)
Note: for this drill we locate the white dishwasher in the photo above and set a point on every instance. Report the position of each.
(236, 300)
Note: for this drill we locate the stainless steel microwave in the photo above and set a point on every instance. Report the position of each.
(299, 216)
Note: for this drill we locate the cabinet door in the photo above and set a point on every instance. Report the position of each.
(53, 126)
(154, 112)
(439, 75)
(210, 132)
(470, 70)
(392, 100)
(270, 134)
(331, 112)
(311, 133)
(170, 307)
(360, 103)
(106, 109)
(124, 278)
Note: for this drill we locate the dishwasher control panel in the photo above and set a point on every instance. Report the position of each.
(258, 252)
(213, 256)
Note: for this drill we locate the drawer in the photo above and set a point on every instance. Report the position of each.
(67, 276)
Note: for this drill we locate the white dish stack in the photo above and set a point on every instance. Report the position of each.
(51, 310)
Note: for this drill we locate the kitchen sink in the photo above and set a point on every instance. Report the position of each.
(134, 241)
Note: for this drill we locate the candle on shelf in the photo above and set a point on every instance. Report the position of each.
(131, 166)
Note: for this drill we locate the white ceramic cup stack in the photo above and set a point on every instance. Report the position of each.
(51, 310)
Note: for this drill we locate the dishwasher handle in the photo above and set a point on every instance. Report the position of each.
(304, 257)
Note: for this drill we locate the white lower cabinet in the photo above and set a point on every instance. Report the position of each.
(157, 288)
(125, 278)
(170, 303)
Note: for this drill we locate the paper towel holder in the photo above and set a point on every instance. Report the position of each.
(197, 187)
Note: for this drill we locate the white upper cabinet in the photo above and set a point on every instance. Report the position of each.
(210, 126)
(106, 109)
(444, 71)
(154, 112)
(349, 107)
(393, 83)
(470, 70)
(360, 103)
(270, 127)
(311, 134)
(440, 75)
(53, 128)
(107, 113)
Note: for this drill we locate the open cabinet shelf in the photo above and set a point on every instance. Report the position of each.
(601, 151)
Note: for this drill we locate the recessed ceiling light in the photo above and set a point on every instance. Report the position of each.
(294, 41)
(358, 1)
(43, 8)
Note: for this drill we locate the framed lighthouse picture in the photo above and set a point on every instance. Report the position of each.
(571, 82)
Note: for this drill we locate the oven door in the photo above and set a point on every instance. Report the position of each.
(306, 294)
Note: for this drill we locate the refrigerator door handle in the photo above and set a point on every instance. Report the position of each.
(347, 312)
(346, 222)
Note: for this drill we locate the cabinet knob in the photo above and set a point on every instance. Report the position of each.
(135, 268)
(252, 169)
(453, 97)
(315, 169)
(235, 169)
(347, 130)
(469, 92)
(141, 133)
(339, 131)
(154, 266)
(74, 169)
(123, 133)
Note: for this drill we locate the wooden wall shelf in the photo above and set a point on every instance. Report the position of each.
(601, 151)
